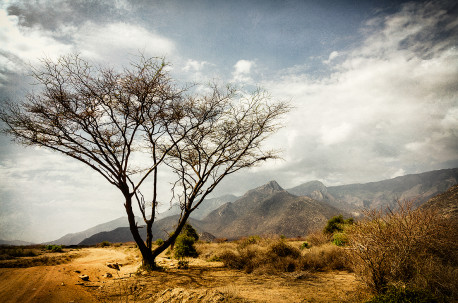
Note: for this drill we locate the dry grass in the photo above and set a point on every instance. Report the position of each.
(28, 256)
(409, 248)
(326, 257)
(274, 255)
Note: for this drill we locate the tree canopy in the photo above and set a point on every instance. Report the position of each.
(107, 118)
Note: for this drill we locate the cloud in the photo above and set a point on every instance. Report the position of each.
(53, 15)
(331, 57)
(242, 70)
(114, 42)
(388, 106)
(194, 65)
(25, 45)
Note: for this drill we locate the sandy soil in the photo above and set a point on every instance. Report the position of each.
(61, 283)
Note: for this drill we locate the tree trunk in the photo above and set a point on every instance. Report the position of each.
(148, 257)
(149, 234)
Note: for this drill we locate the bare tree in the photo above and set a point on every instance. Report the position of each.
(104, 118)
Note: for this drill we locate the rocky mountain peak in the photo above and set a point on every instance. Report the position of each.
(271, 186)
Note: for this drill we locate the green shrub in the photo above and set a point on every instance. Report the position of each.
(184, 247)
(337, 224)
(189, 231)
(159, 242)
(54, 248)
(339, 239)
(305, 245)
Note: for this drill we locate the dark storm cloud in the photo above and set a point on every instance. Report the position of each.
(51, 15)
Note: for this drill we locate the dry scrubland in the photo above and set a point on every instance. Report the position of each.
(404, 254)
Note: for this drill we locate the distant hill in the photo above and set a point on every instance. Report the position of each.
(207, 206)
(161, 228)
(15, 242)
(445, 204)
(76, 238)
(417, 187)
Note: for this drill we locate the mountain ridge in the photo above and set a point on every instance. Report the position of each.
(333, 200)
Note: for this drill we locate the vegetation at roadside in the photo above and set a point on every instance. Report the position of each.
(35, 255)
(413, 250)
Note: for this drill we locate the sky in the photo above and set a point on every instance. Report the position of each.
(374, 86)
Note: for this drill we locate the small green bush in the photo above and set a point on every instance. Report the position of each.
(189, 231)
(340, 239)
(305, 245)
(54, 248)
(159, 242)
(184, 247)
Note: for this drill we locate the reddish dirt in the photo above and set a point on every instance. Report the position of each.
(60, 283)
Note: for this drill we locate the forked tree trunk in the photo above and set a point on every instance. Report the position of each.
(148, 258)
(149, 255)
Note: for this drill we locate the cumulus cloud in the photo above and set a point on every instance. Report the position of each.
(25, 45)
(26, 37)
(114, 42)
(242, 71)
(194, 65)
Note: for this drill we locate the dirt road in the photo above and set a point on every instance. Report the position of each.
(61, 283)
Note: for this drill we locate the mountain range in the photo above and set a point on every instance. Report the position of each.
(269, 209)
(352, 198)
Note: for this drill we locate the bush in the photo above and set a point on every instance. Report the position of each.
(8, 253)
(159, 242)
(396, 295)
(317, 238)
(249, 241)
(412, 248)
(305, 245)
(278, 257)
(189, 231)
(104, 244)
(337, 224)
(282, 249)
(325, 257)
(54, 248)
(184, 247)
(340, 239)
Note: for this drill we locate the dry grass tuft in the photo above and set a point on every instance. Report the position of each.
(326, 257)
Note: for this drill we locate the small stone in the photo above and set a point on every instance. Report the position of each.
(62, 284)
(84, 277)
(114, 265)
